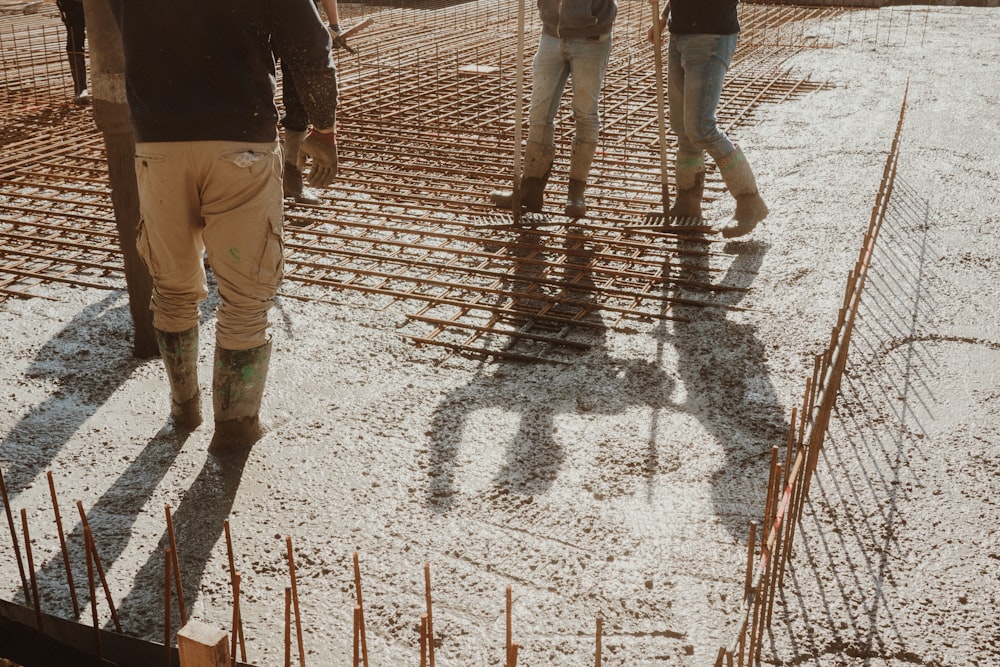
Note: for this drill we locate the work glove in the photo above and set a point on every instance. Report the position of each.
(338, 41)
(322, 148)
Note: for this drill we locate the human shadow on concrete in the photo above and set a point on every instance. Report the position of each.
(722, 365)
(198, 523)
(111, 519)
(534, 395)
(81, 386)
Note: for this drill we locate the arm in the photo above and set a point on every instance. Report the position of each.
(663, 23)
(330, 8)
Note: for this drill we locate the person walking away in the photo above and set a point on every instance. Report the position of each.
(200, 84)
(576, 41)
(295, 121)
(703, 38)
(71, 12)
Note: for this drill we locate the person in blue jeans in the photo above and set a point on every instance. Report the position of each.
(703, 36)
(576, 41)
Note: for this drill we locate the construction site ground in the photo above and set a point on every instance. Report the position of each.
(614, 476)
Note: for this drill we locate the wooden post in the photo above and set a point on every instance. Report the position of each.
(111, 115)
(202, 645)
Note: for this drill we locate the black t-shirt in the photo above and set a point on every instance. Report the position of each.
(703, 17)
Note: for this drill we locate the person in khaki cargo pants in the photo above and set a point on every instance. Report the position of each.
(200, 84)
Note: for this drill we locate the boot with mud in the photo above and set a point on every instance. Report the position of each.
(690, 173)
(237, 390)
(750, 207)
(291, 177)
(537, 167)
(579, 170)
(179, 352)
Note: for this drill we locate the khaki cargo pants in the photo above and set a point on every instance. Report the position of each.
(219, 197)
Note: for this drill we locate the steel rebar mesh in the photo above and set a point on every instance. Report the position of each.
(426, 128)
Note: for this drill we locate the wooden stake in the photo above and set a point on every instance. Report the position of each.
(430, 615)
(13, 537)
(91, 545)
(513, 654)
(361, 605)
(295, 602)
(31, 569)
(202, 645)
(177, 566)
(62, 545)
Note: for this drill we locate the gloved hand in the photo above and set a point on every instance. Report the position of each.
(338, 41)
(322, 148)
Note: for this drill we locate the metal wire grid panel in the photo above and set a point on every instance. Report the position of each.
(426, 127)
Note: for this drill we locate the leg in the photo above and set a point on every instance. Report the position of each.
(169, 242)
(296, 123)
(548, 79)
(242, 210)
(588, 64)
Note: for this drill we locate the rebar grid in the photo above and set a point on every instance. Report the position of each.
(788, 483)
(426, 129)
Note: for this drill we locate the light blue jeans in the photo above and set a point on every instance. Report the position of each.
(696, 68)
(555, 60)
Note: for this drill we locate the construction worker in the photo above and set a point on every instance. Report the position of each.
(71, 12)
(703, 37)
(295, 120)
(200, 83)
(576, 41)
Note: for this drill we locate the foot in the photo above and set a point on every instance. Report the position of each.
(750, 209)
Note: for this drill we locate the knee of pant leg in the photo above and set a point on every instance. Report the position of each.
(587, 128)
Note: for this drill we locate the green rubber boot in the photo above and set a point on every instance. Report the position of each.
(179, 352)
(237, 390)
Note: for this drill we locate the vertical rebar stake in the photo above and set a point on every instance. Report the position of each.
(177, 567)
(62, 545)
(13, 537)
(295, 602)
(361, 605)
(166, 607)
(31, 569)
(597, 641)
(430, 614)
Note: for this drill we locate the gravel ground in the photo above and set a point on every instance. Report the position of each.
(620, 485)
